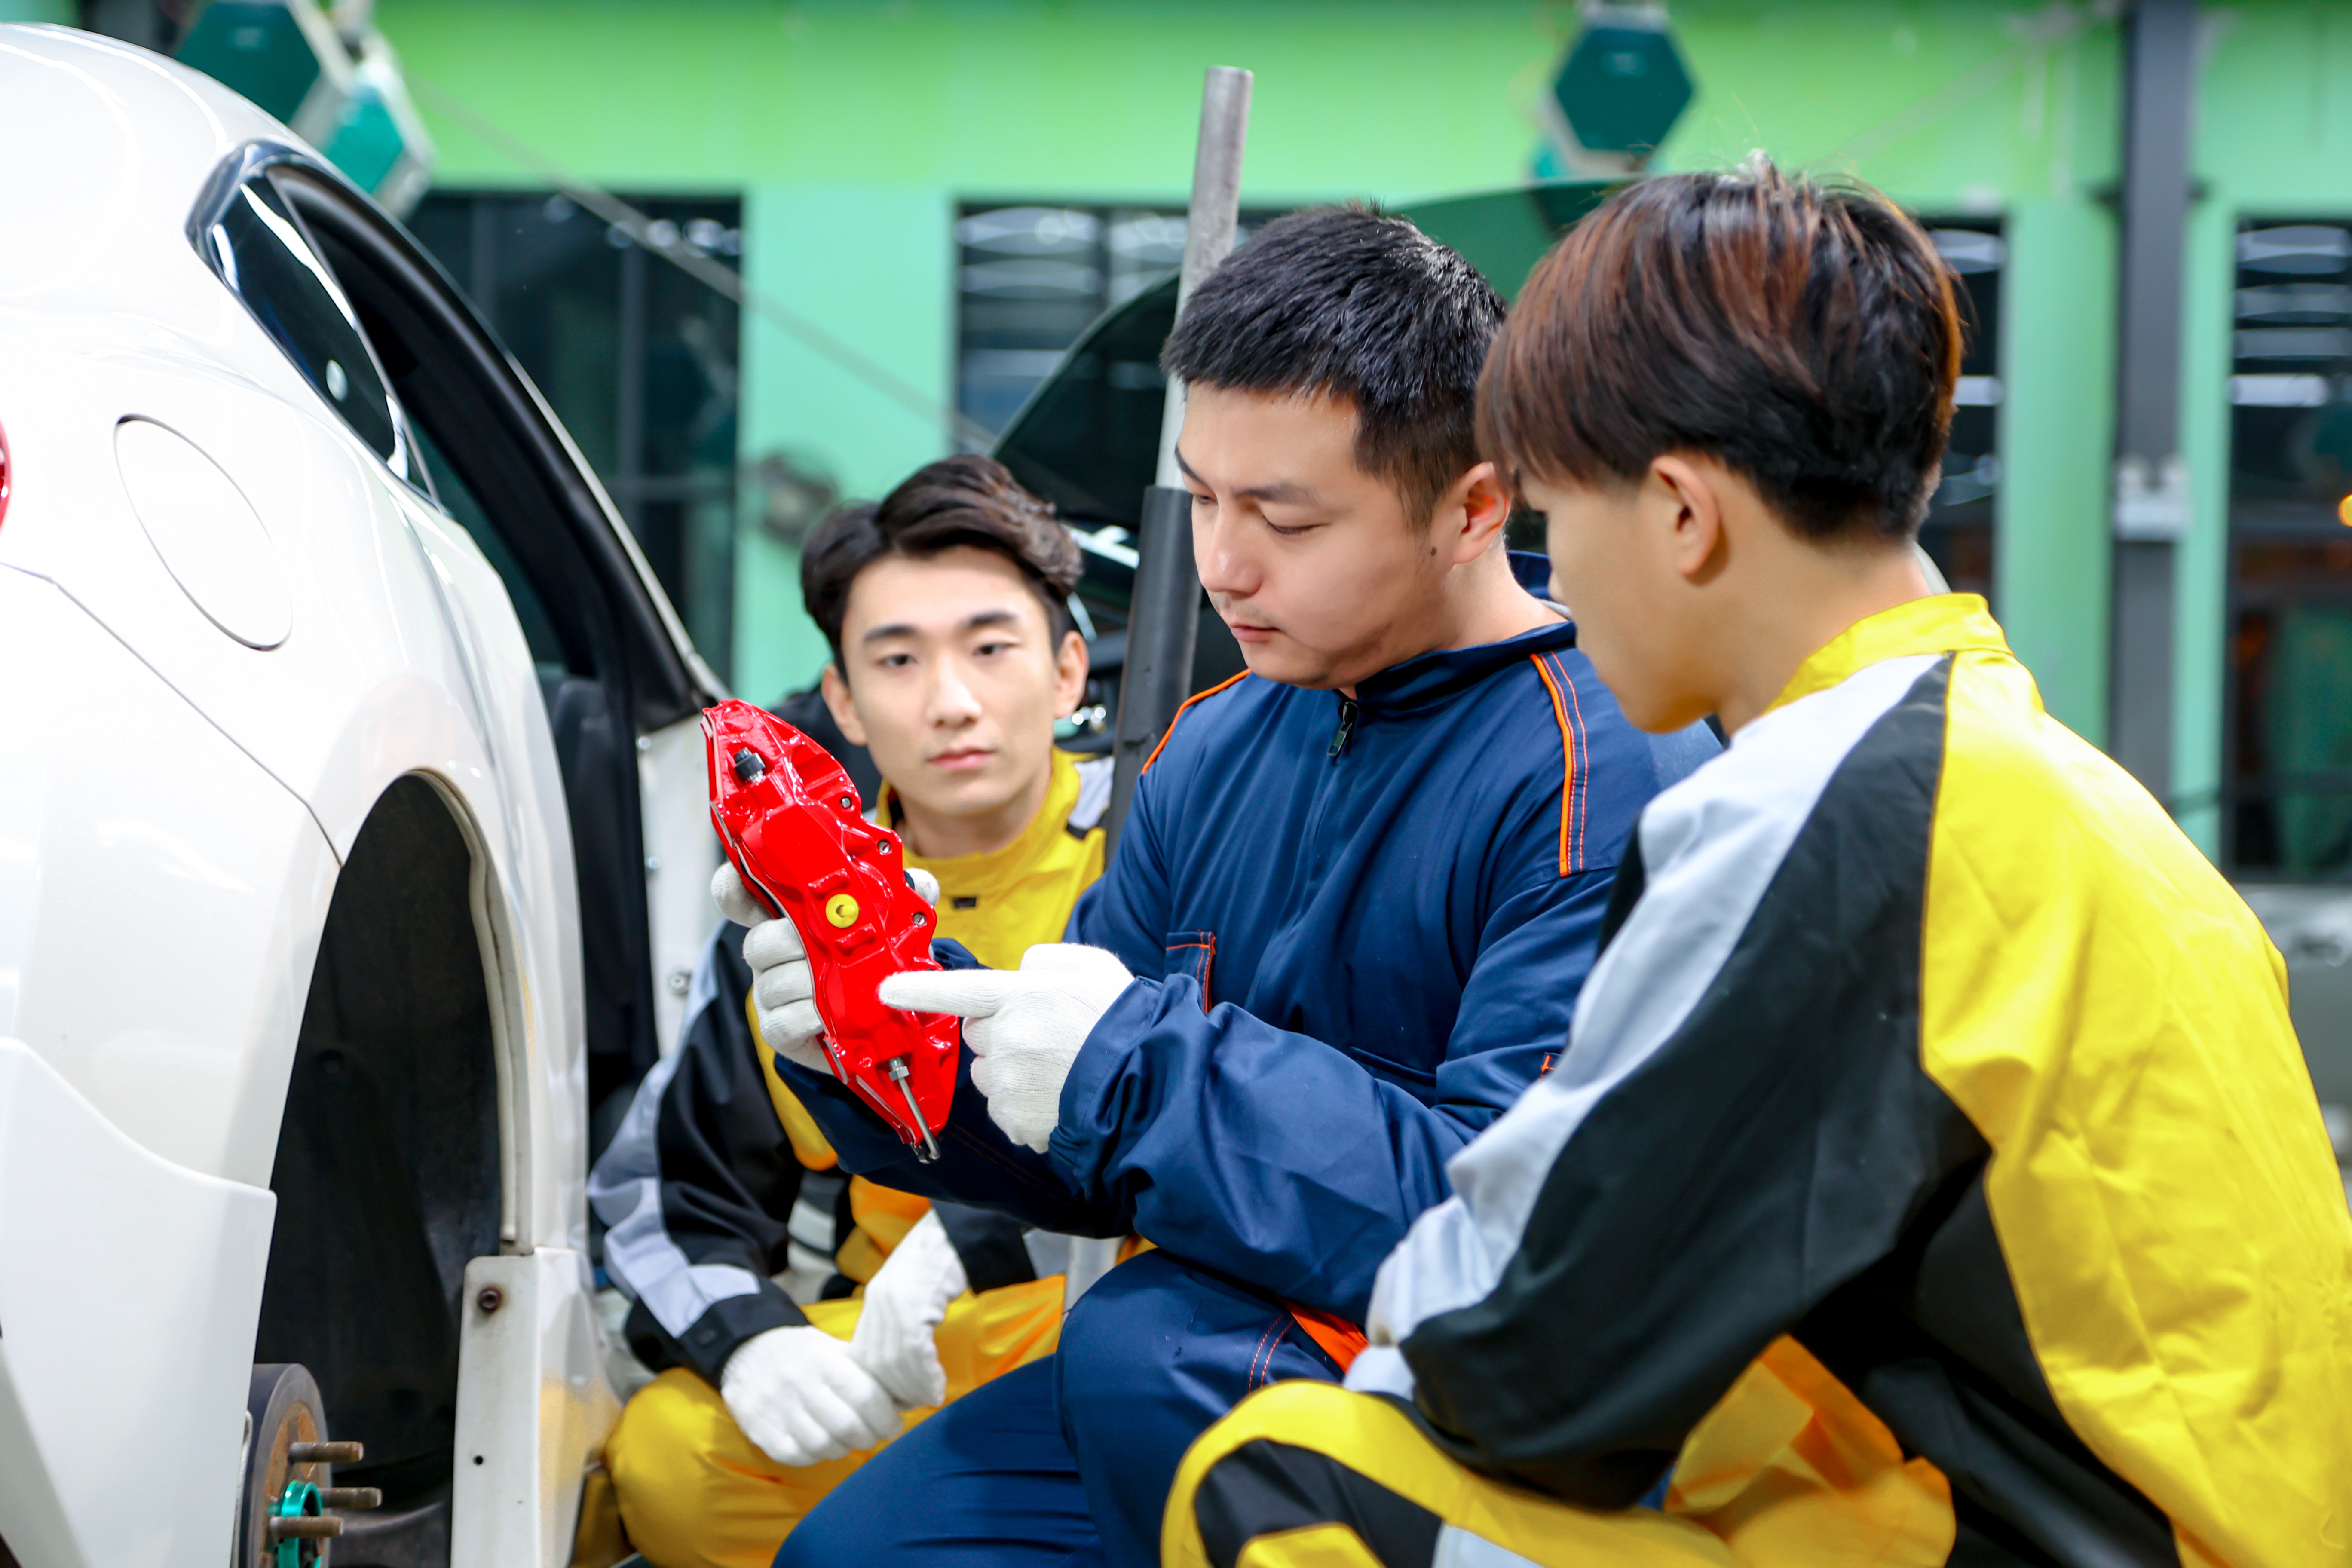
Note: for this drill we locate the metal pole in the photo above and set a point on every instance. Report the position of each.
(2151, 481)
(1163, 617)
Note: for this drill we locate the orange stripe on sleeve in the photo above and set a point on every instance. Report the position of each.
(1207, 947)
(1579, 786)
(1196, 696)
(1567, 756)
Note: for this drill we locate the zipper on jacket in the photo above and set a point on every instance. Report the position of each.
(1347, 727)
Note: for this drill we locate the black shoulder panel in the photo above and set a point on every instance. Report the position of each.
(1773, 1148)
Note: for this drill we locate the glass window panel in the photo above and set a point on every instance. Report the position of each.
(2287, 765)
(466, 511)
(1958, 532)
(1032, 277)
(260, 251)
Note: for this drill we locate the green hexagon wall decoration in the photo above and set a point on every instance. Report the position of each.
(282, 54)
(1624, 84)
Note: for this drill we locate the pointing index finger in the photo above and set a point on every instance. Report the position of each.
(966, 993)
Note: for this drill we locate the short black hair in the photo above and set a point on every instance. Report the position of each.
(1349, 303)
(965, 500)
(1802, 333)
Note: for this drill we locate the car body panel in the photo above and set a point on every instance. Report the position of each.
(175, 809)
(93, 1373)
(543, 1048)
(533, 1382)
(163, 897)
(681, 854)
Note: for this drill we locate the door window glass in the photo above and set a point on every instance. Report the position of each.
(464, 508)
(260, 251)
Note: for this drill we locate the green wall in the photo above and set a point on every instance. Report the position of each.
(2057, 432)
(853, 128)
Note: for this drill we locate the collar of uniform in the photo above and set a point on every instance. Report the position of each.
(1942, 622)
(981, 875)
(1531, 569)
(1433, 678)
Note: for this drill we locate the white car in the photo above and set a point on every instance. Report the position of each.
(350, 801)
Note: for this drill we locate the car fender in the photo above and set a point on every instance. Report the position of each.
(164, 896)
(88, 1370)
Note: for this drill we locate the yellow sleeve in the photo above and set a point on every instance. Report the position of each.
(884, 1217)
(809, 1145)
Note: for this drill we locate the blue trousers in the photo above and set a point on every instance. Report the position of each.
(1068, 1460)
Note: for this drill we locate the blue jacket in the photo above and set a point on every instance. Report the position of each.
(1358, 928)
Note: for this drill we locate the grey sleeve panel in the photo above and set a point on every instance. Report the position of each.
(698, 1186)
(1049, 1252)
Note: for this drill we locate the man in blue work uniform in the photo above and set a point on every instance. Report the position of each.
(1345, 926)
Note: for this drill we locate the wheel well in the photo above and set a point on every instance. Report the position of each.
(387, 1170)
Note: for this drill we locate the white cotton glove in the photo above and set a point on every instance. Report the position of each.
(898, 1326)
(783, 987)
(1024, 1025)
(802, 1397)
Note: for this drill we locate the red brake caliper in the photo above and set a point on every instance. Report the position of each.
(788, 815)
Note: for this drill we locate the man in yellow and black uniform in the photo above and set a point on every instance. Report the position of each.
(1931, 1175)
(729, 1224)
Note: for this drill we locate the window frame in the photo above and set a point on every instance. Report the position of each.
(2268, 519)
(255, 164)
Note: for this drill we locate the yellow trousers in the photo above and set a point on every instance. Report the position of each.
(1789, 1470)
(695, 1493)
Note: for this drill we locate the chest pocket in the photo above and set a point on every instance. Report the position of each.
(1192, 954)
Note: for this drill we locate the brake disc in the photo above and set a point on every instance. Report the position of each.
(289, 1508)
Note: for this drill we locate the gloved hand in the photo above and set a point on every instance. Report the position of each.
(896, 1339)
(1024, 1025)
(802, 1397)
(782, 985)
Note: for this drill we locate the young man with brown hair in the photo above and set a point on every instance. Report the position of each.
(946, 608)
(1358, 891)
(1929, 1073)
